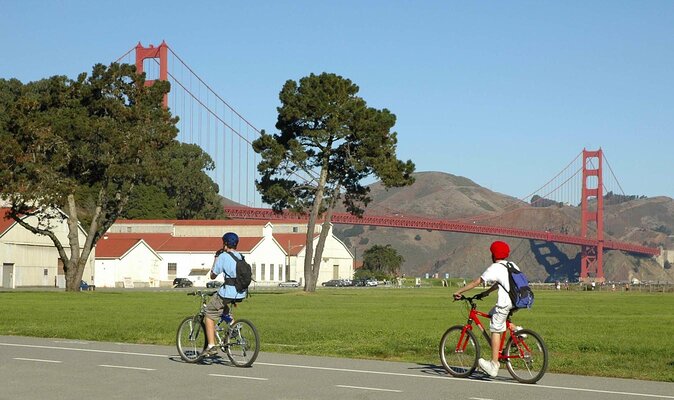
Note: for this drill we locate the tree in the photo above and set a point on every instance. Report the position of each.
(188, 193)
(149, 202)
(62, 139)
(329, 140)
(195, 193)
(382, 259)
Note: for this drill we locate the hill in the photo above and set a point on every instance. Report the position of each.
(648, 221)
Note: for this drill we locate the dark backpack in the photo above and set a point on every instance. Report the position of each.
(520, 293)
(244, 274)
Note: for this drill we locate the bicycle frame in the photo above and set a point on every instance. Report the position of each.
(205, 296)
(521, 350)
(238, 338)
(474, 318)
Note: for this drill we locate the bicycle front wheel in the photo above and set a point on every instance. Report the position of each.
(459, 351)
(191, 339)
(242, 343)
(526, 357)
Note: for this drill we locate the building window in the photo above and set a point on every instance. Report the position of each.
(172, 268)
(254, 272)
(295, 229)
(46, 272)
(280, 273)
(262, 275)
(271, 272)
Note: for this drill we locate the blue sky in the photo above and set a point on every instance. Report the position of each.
(505, 93)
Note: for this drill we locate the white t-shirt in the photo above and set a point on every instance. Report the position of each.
(498, 273)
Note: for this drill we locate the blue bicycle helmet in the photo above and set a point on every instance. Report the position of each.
(230, 239)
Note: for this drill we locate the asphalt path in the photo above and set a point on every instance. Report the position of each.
(66, 369)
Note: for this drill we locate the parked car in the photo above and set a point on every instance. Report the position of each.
(85, 286)
(214, 284)
(182, 282)
(333, 282)
(366, 282)
(291, 283)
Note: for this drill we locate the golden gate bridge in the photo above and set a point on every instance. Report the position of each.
(210, 122)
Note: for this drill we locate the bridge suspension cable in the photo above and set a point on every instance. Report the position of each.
(209, 121)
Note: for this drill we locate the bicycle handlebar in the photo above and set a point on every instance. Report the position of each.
(200, 293)
(469, 299)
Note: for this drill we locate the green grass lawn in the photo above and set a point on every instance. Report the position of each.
(618, 334)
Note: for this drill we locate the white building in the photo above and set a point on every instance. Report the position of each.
(126, 262)
(32, 260)
(186, 248)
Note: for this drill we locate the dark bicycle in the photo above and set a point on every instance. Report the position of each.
(238, 339)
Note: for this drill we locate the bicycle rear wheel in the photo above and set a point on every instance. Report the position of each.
(191, 339)
(527, 360)
(459, 351)
(242, 343)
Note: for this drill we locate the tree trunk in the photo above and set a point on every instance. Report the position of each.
(73, 268)
(311, 269)
(325, 230)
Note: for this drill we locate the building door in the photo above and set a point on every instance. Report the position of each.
(8, 276)
(335, 272)
(45, 277)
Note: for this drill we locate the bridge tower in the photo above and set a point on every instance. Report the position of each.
(592, 216)
(161, 52)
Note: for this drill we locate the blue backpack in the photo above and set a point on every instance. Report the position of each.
(520, 293)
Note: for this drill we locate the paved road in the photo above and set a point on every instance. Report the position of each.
(64, 369)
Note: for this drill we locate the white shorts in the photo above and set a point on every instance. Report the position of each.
(499, 315)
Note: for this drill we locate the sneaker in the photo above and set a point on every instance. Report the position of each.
(210, 351)
(489, 367)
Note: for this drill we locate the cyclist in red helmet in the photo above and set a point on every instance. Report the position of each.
(497, 275)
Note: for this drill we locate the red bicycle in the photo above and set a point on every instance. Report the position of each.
(524, 351)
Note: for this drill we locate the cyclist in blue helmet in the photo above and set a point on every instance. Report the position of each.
(223, 264)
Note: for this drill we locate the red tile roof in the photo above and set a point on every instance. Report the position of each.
(292, 243)
(114, 247)
(5, 223)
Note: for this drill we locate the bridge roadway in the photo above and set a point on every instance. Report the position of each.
(56, 369)
(442, 225)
